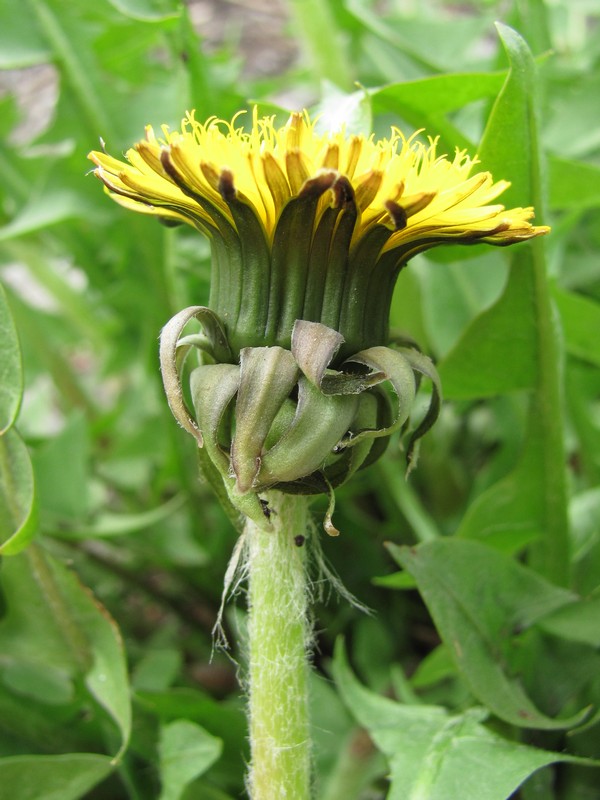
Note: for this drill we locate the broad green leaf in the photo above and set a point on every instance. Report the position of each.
(111, 68)
(435, 755)
(582, 388)
(61, 468)
(44, 211)
(59, 32)
(444, 93)
(580, 319)
(426, 39)
(29, 722)
(436, 666)
(157, 669)
(509, 145)
(325, 46)
(525, 351)
(107, 679)
(508, 515)
(31, 629)
(515, 117)
(497, 351)
(18, 515)
(428, 102)
(65, 777)
(456, 293)
(573, 184)
(341, 769)
(584, 512)
(224, 719)
(21, 44)
(41, 682)
(185, 751)
(51, 618)
(478, 598)
(11, 371)
(573, 129)
(576, 622)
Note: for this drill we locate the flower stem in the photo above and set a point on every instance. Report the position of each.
(278, 643)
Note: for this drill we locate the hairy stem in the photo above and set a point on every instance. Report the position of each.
(278, 643)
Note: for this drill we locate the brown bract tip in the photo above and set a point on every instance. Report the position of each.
(315, 187)
(226, 186)
(397, 213)
(343, 192)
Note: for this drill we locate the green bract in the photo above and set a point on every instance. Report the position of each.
(285, 419)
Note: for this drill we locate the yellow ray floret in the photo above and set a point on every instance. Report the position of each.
(398, 182)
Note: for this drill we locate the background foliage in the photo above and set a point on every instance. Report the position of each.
(478, 672)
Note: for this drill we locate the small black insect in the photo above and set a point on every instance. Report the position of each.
(299, 540)
(267, 511)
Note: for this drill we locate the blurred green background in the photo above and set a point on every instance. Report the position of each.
(95, 468)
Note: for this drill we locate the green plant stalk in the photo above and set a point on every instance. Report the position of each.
(318, 28)
(278, 632)
(75, 72)
(550, 556)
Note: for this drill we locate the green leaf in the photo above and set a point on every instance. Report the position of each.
(18, 510)
(508, 147)
(426, 102)
(455, 293)
(397, 580)
(107, 525)
(62, 473)
(573, 184)
(425, 39)
(444, 93)
(51, 618)
(525, 351)
(580, 319)
(186, 751)
(11, 370)
(316, 28)
(497, 352)
(39, 681)
(434, 755)
(43, 211)
(478, 599)
(21, 44)
(576, 622)
(65, 777)
(191, 704)
(573, 130)
(157, 669)
(148, 10)
(508, 515)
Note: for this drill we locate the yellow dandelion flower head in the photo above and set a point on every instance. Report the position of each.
(306, 223)
(190, 176)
